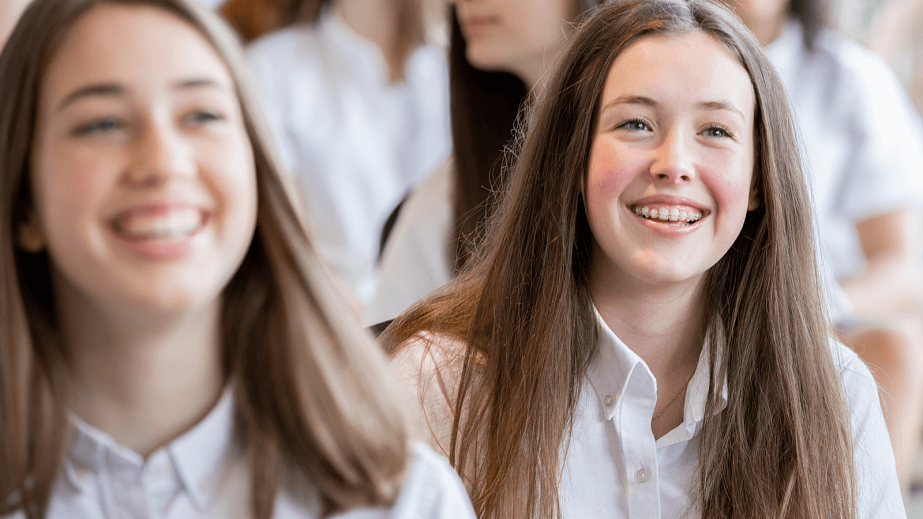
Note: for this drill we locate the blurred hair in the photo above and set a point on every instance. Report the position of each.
(782, 447)
(484, 105)
(814, 16)
(313, 395)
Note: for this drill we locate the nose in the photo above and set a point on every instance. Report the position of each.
(673, 160)
(160, 152)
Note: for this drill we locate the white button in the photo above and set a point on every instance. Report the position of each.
(609, 399)
(643, 475)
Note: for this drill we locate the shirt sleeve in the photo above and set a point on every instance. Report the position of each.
(886, 140)
(879, 495)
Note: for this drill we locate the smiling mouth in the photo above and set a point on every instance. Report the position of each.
(171, 225)
(679, 216)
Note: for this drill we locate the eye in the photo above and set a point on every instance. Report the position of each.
(96, 126)
(200, 117)
(636, 125)
(717, 131)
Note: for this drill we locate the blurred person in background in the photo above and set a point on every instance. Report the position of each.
(898, 36)
(498, 52)
(359, 103)
(863, 155)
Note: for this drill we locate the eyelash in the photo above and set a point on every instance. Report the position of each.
(104, 125)
(624, 125)
(204, 117)
(722, 129)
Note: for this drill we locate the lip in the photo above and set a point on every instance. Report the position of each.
(471, 25)
(668, 228)
(156, 248)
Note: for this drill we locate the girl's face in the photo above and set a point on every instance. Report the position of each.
(513, 35)
(669, 179)
(143, 173)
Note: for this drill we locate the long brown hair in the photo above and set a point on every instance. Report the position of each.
(313, 396)
(782, 446)
(484, 105)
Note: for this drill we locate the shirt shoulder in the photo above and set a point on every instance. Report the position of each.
(432, 490)
(879, 493)
(429, 367)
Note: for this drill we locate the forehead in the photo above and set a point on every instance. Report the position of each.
(136, 46)
(687, 69)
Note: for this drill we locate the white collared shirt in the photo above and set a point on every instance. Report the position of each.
(203, 474)
(862, 138)
(416, 259)
(356, 142)
(614, 467)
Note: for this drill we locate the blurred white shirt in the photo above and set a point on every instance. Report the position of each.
(614, 467)
(420, 251)
(862, 140)
(355, 142)
(204, 474)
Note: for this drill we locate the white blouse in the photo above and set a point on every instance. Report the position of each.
(203, 474)
(356, 142)
(416, 259)
(862, 138)
(613, 466)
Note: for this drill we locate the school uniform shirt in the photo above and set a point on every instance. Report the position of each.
(355, 142)
(862, 138)
(416, 259)
(613, 466)
(204, 474)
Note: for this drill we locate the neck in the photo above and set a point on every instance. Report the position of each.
(143, 379)
(376, 21)
(661, 324)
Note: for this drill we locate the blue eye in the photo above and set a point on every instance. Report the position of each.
(717, 131)
(203, 117)
(638, 125)
(104, 125)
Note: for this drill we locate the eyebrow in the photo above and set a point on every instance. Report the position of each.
(115, 90)
(98, 90)
(647, 101)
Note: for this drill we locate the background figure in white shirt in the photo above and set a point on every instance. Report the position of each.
(863, 154)
(360, 107)
(499, 50)
(642, 332)
(172, 345)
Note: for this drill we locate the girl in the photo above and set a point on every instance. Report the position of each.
(499, 50)
(641, 334)
(171, 344)
(359, 103)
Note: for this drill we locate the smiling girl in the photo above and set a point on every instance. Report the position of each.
(641, 333)
(172, 345)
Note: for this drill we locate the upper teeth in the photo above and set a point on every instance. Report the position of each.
(174, 224)
(668, 214)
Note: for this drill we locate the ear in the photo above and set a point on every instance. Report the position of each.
(29, 235)
(755, 198)
(754, 202)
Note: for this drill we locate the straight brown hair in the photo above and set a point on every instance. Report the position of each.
(782, 446)
(313, 395)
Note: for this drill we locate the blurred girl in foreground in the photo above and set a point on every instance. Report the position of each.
(172, 346)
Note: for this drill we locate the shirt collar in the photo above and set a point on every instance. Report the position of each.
(362, 56)
(198, 455)
(616, 365)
